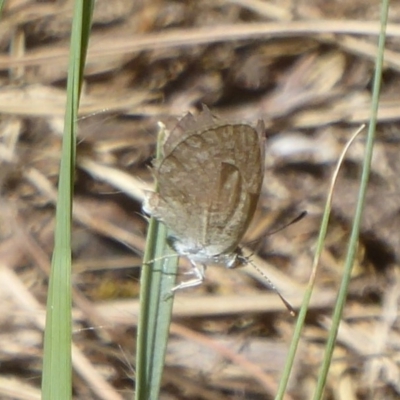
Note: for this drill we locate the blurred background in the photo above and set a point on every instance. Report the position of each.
(305, 68)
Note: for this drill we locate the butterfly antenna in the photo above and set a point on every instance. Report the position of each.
(293, 221)
(271, 285)
(274, 288)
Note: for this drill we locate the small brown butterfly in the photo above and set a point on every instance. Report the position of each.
(209, 182)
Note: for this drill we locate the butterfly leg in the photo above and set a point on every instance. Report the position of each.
(198, 272)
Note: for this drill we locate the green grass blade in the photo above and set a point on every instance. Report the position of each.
(57, 374)
(156, 301)
(353, 242)
(309, 290)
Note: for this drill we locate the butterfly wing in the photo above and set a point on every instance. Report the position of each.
(209, 185)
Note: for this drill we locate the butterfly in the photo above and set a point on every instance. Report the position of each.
(209, 183)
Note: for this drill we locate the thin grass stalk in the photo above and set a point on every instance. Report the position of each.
(308, 293)
(156, 301)
(353, 242)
